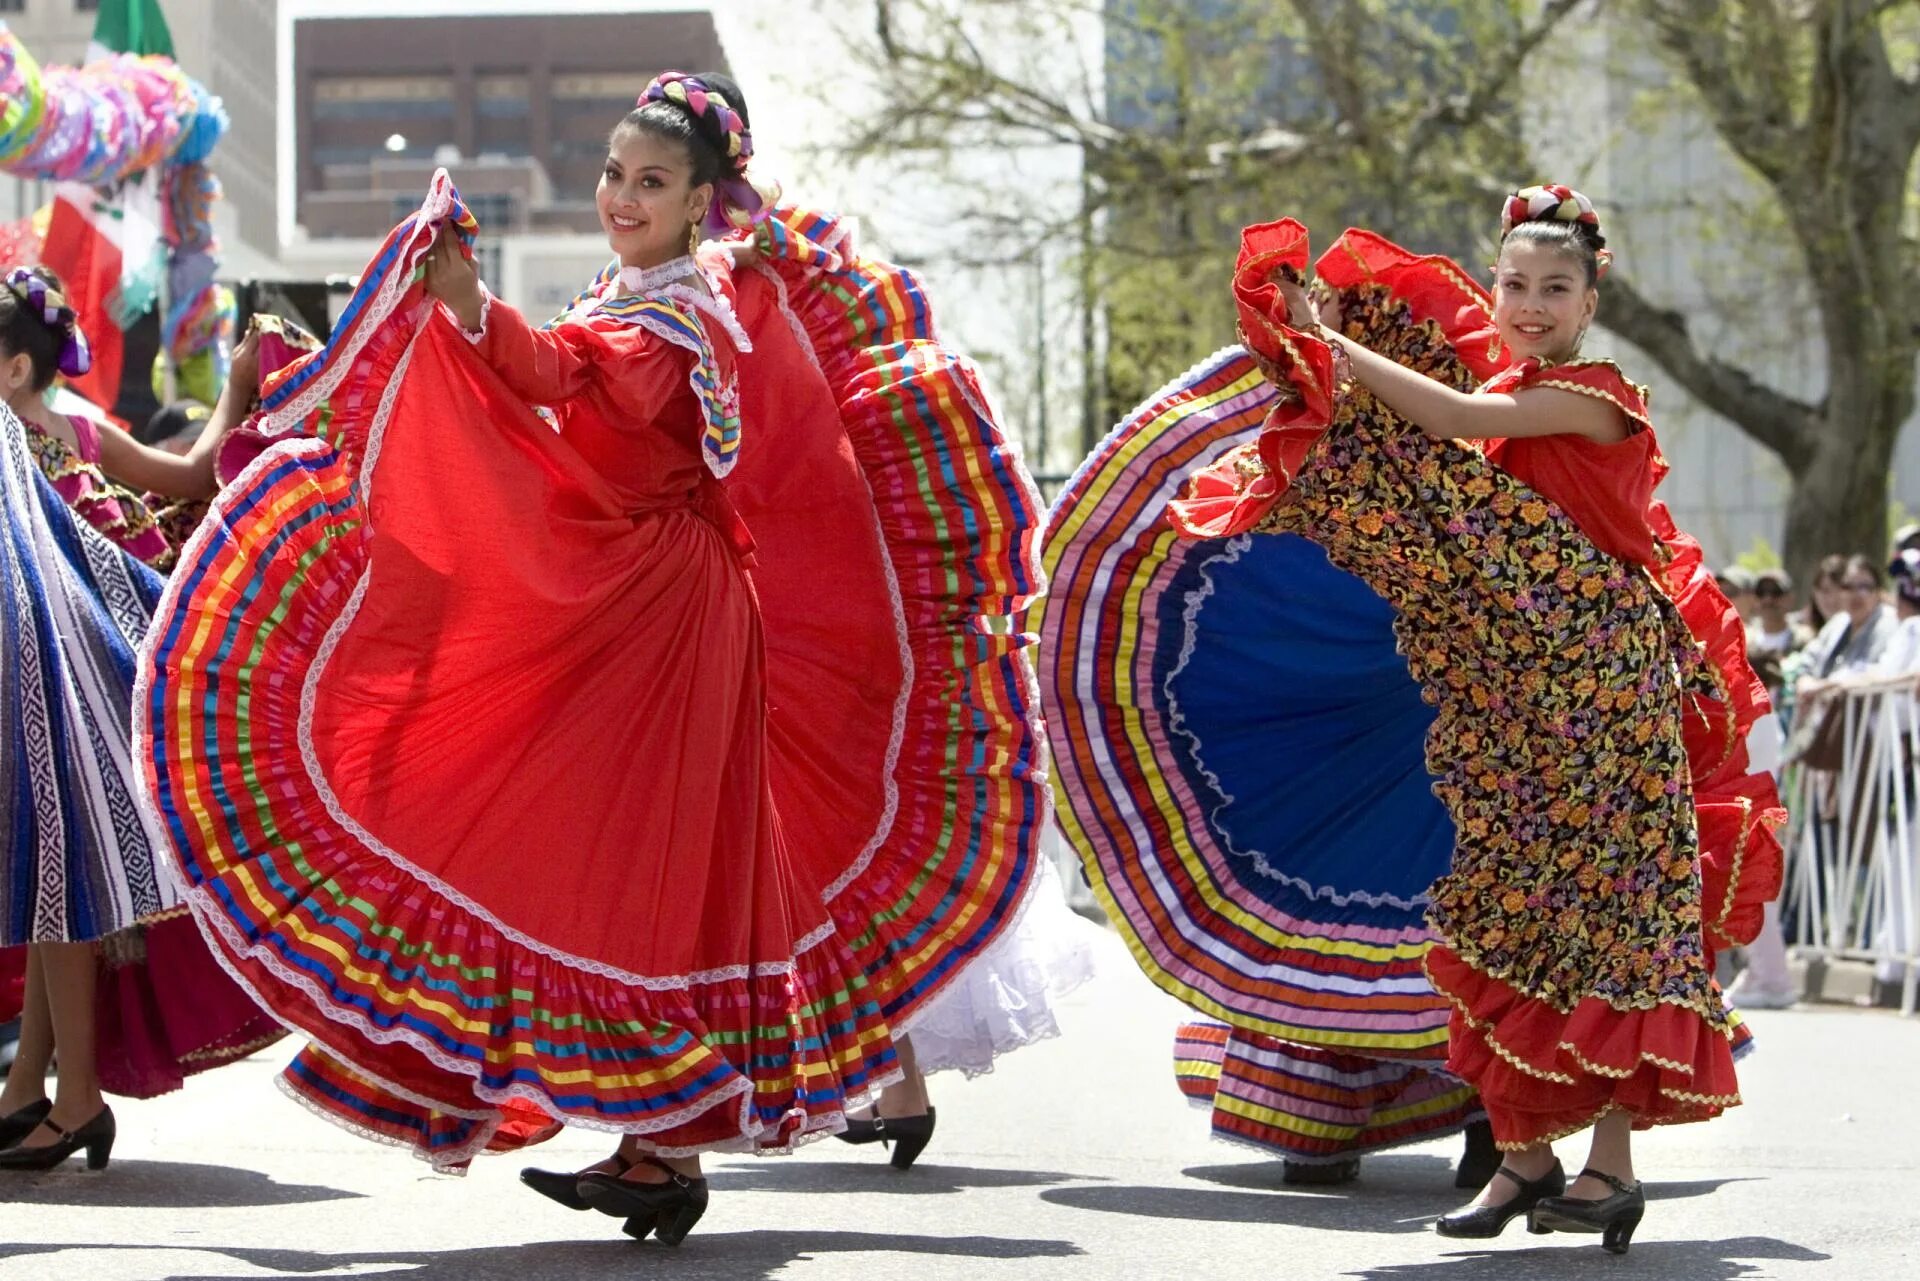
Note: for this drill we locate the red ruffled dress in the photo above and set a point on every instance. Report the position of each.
(1591, 695)
(476, 746)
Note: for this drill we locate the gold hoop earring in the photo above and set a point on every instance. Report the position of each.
(693, 237)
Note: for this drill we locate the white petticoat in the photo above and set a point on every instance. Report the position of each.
(1005, 998)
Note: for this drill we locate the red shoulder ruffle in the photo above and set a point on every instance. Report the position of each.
(1235, 493)
(1432, 285)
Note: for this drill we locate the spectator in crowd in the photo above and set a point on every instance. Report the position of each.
(1902, 654)
(1825, 596)
(1738, 584)
(1775, 633)
(1906, 538)
(1854, 639)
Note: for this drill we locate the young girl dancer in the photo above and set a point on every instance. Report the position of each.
(1576, 682)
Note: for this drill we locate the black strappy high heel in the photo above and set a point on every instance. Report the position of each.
(1482, 1221)
(667, 1210)
(564, 1185)
(16, 1126)
(907, 1136)
(1613, 1217)
(96, 1136)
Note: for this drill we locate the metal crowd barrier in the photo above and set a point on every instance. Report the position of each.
(1852, 892)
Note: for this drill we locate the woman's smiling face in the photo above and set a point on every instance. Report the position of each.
(1542, 304)
(646, 198)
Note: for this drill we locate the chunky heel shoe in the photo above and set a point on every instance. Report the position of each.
(1614, 1217)
(668, 1210)
(1479, 1161)
(96, 1136)
(908, 1136)
(672, 1226)
(16, 1126)
(1483, 1221)
(564, 1186)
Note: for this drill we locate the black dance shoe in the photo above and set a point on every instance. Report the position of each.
(1479, 1161)
(96, 1136)
(1614, 1217)
(564, 1185)
(908, 1136)
(18, 1125)
(667, 1210)
(1483, 1221)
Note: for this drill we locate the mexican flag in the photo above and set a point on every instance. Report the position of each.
(130, 26)
(109, 254)
(106, 246)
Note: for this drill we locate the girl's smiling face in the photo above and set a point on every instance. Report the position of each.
(1542, 303)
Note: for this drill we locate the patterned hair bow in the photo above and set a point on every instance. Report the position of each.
(738, 201)
(1554, 202)
(51, 308)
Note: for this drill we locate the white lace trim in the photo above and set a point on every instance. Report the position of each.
(288, 417)
(474, 336)
(785, 304)
(715, 307)
(902, 705)
(644, 280)
(1235, 548)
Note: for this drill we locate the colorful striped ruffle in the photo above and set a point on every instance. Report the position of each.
(959, 520)
(1273, 880)
(434, 1026)
(1312, 1105)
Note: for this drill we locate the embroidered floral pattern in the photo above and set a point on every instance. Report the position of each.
(1559, 675)
(112, 509)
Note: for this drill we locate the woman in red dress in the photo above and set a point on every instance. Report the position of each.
(486, 766)
(1590, 686)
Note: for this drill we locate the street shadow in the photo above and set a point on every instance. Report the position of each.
(1295, 1207)
(1646, 1261)
(1394, 1172)
(867, 1176)
(1393, 1175)
(720, 1256)
(163, 1185)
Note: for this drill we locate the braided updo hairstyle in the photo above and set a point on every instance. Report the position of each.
(707, 115)
(1560, 218)
(35, 319)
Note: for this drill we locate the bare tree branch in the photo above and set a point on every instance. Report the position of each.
(1496, 76)
(1785, 425)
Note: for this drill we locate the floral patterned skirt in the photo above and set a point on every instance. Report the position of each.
(1571, 917)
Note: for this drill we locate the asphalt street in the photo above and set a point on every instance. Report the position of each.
(1077, 1158)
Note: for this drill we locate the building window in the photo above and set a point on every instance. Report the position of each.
(84, 6)
(13, 6)
(383, 98)
(493, 210)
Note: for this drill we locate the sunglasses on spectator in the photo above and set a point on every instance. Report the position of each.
(1768, 592)
(1858, 586)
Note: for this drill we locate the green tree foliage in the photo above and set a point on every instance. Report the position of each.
(1195, 117)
